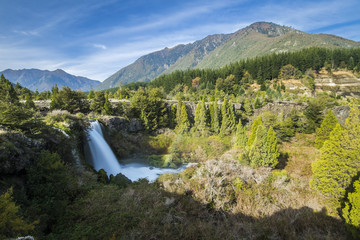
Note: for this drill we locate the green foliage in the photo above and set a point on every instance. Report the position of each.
(313, 114)
(107, 105)
(257, 122)
(240, 136)
(70, 100)
(273, 148)
(214, 115)
(120, 180)
(98, 102)
(50, 186)
(149, 107)
(12, 223)
(201, 121)
(351, 210)
(339, 159)
(264, 151)
(184, 124)
(227, 118)
(289, 71)
(91, 94)
(29, 103)
(323, 133)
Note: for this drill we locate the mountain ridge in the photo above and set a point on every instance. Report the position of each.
(44, 80)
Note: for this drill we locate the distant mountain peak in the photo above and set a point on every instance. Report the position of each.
(270, 29)
(43, 80)
(218, 50)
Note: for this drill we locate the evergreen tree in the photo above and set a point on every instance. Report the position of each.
(184, 123)
(107, 105)
(178, 112)
(228, 118)
(240, 136)
(11, 223)
(200, 119)
(214, 114)
(258, 152)
(351, 211)
(257, 122)
(273, 148)
(98, 103)
(29, 103)
(91, 94)
(339, 159)
(323, 133)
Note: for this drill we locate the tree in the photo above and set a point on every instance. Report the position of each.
(214, 116)
(339, 159)
(228, 118)
(50, 187)
(11, 223)
(351, 211)
(240, 136)
(70, 100)
(258, 152)
(98, 102)
(273, 148)
(257, 122)
(107, 105)
(29, 103)
(184, 124)
(200, 124)
(323, 133)
(91, 94)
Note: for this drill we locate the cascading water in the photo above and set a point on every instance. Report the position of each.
(101, 156)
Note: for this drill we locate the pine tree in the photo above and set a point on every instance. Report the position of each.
(240, 136)
(178, 112)
(91, 94)
(273, 148)
(107, 105)
(228, 118)
(258, 152)
(323, 133)
(351, 211)
(339, 158)
(29, 103)
(200, 119)
(257, 122)
(184, 124)
(98, 103)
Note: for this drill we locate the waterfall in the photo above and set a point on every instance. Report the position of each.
(102, 156)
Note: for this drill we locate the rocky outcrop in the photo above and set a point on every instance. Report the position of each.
(278, 107)
(16, 151)
(121, 124)
(341, 113)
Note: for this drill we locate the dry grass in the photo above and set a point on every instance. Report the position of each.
(302, 153)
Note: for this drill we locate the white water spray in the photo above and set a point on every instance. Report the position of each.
(101, 154)
(102, 157)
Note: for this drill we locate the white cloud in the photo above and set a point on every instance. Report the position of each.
(101, 46)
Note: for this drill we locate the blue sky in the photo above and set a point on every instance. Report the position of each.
(96, 38)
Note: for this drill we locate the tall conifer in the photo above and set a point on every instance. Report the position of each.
(323, 133)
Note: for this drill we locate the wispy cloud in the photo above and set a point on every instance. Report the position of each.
(101, 46)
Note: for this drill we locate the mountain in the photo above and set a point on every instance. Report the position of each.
(43, 80)
(215, 51)
(152, 65)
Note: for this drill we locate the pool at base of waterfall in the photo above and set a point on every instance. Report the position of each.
(99, 154)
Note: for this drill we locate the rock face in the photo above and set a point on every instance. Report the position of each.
(120, 124)
(280, 107)
(17, 151)
(341, 113)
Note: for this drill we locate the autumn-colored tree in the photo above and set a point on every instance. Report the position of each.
(195, 83)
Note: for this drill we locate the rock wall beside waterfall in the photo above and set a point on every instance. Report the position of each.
(121, 124)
